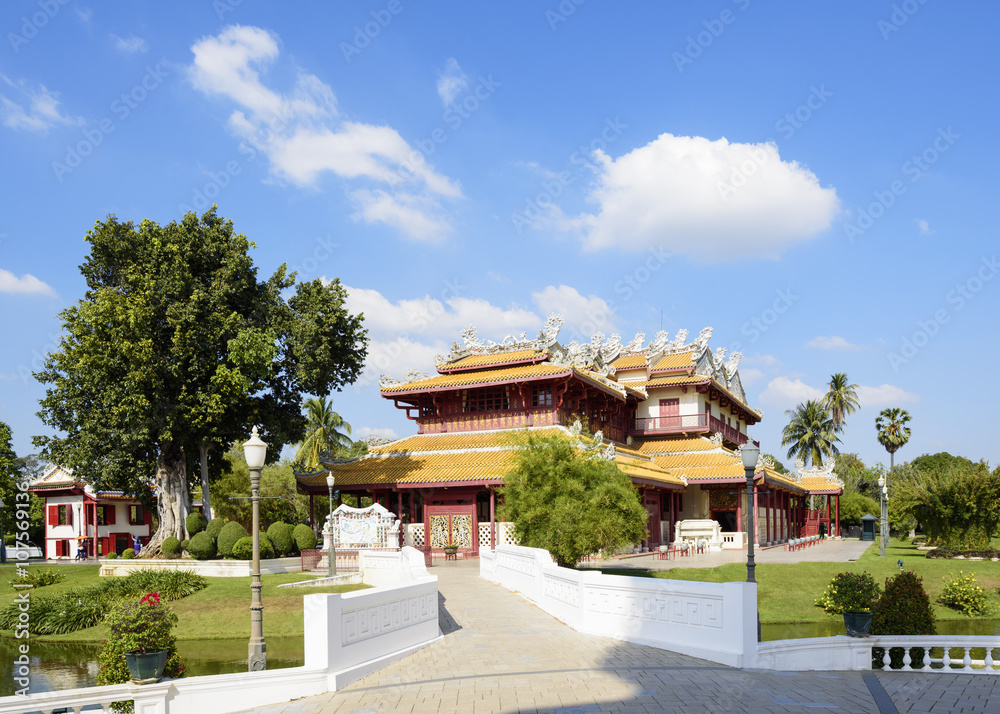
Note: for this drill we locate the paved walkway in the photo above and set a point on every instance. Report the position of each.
(502, 654)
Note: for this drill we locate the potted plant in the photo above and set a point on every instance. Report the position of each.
(140, 646)
(855, 595)
(451, 549)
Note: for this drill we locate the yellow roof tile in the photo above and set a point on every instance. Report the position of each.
(672, 381)
(669, 446)
(629, 362)
(488, 376)
(492, 359)
(675, 361)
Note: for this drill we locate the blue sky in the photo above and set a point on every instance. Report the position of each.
(811, 180)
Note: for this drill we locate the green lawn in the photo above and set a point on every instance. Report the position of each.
(786, 593)
(220, 611)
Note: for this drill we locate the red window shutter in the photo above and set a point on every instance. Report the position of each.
(109, 514)
(53, 515)
(147, 517)
(69, 514)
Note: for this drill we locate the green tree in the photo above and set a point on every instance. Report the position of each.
(326, 432)
(8, 466)
(280, 502)
(940, 462)
(810, 433)
(858, 477)
(854, 505)
(176, 344)
(778, 466)
(892, 431)
(841, 400)
(570, 501)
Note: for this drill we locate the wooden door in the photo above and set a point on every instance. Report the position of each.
(453, 524)
(651, 500)
(670, 410)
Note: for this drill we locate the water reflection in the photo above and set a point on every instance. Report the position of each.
(62, 665)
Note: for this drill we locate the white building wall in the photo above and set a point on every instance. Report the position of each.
(72, 532)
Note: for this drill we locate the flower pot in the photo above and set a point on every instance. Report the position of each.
(450, 549)
(146, 667)
(858, 624)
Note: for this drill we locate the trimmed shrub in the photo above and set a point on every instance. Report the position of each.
(185, 544)
(850, 592)
(195, 523)
(304, 537)
(903, 609)
(129, 553)
(964, 594)
(112, 556)
(170, 545)
(214, 527)
(281, 537)
(244, 548)
(202, 546)
(231, 533)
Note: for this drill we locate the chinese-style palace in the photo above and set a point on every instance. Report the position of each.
(672, 415)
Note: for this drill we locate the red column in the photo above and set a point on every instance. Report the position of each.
(756, 516)
(739, 511)
(836, 531)
(312, 520)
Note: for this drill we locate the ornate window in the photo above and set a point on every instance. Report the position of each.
(135, 515)
(489, 399)
(541, 396)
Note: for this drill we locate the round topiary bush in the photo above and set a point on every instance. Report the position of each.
(185, 544)
(243, 549)
(202, 546)
(170, 545)
(112, 556)
(195, 523)
(128, 554)
(231, 533)
(281, 537)
(214, 527)
(304, 537)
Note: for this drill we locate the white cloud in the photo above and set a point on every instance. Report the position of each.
(680, 194)
(303, 134)
(884, 396)
(769, 361)
(582, 316)
(833, 343)
(38, 109)
(27, 284)
(130, 45)
(451, 81)
(383, 432)
(924, 227)
(750, 376)
(786, 393)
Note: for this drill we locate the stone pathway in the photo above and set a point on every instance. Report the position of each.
(502, 654)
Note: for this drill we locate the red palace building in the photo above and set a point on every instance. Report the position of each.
(671, 414)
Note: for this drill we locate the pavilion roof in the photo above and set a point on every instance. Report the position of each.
(502, 375)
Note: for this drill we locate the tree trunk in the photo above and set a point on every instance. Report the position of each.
(173, 498)
(206, 507)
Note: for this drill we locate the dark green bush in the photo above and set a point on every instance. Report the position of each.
(903, 609)
(304, 537)
(185, 544)
(231, 533)
(214, 527)
(128, 554)
(170, 545)
(202, 546)
(281, 537)
(243, 549)
(195, 523)
(112, 556)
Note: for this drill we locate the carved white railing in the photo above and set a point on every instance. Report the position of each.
(733, 540)
(942, 653)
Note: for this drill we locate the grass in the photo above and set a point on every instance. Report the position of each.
(220, 611)
(787, 592)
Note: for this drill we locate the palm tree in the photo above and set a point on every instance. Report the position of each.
(841, 400)
(810, 432)
(892, 431)
(325, 431)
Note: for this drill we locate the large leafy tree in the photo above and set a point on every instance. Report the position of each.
(841, 400)
(893, 432)
(810, 433)
(326, 432)
(570, 501)
(8, 466)
(177, 344)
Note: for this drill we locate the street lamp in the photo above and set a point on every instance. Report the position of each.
(884, 520)
(750, 455)
(255, 450)
(332, 555)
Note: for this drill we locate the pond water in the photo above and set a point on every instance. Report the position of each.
(65, 665)
(797, 630)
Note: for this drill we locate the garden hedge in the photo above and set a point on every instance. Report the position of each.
(304, 537)
(195, 523)
(281, 537)
(202, 546)
(231, 533)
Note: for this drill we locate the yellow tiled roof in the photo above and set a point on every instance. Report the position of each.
(670, 446)
(675, 361)
(672, 381)
(488, 376)
(630, 362)
(818, 483)
(418, 468)
(491, 359)
(638, 468)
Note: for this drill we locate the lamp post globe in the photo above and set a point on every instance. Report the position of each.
(255, 452)
(332, 555)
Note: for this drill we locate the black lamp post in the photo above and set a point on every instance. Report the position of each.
(332, 555)
(750, 454)
(255, 452)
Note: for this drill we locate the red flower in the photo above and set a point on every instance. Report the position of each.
(152, 599)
